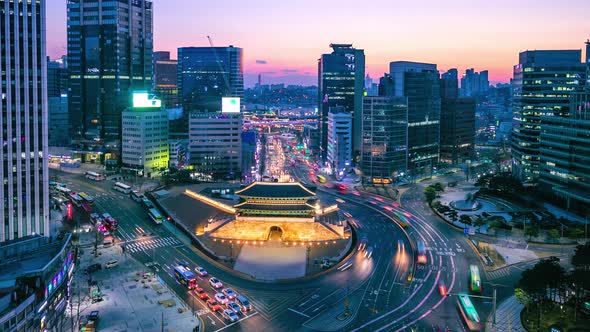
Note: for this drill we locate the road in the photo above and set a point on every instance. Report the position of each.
(386, 299)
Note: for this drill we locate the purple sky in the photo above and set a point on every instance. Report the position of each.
(283, 39)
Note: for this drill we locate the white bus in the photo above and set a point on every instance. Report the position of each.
(156, 216)
(63, 190)
(94, 176)
(125, 189)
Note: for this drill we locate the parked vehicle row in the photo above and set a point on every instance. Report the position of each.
(224, 301)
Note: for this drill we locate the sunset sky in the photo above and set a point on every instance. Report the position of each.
(282, 40)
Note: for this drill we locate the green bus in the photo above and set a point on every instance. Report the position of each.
(469, 313)
(474, 279)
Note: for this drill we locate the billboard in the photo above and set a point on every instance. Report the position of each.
(230, 105)
(143, 99)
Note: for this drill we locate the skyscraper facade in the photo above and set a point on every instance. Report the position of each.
(339, 141)
(419, 82)
(145, 135)
(215, 145)
(24, 198)
(385, 138)
(165, 79)
(110, 45)
(341, 76)
(542, 86)
(457, 122)
(564, 153)
(57, 99)
(206, 74)
(474, 83)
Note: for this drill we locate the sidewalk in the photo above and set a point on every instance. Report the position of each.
(130, 301)
(507, 317)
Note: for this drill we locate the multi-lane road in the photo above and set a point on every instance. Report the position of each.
(378, 289)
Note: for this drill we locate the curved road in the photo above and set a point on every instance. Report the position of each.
(378, 287)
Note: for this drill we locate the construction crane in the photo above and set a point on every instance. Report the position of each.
(227, 87)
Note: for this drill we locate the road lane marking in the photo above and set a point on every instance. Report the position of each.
(299, 312)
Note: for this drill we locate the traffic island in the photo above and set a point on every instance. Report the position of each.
(274, 231)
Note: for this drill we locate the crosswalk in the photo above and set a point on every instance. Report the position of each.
(499, 273)
(153, 243)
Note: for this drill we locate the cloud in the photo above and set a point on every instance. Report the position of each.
(290, 70)
(261, 62)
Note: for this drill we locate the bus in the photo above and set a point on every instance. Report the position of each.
(469, 313)
(474, 279)
(125, 189)
(76, 199)
(63, 190)
(321, 179)
(87, 198)
(156, 216)
(421, 253)
(136, 196)
(185, 277)
(94, 176)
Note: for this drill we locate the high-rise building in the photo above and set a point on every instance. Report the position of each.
(341, 76)
(565, 155)
(57, 100)
(473, 83)
(384, 153)
(449, 84)
(110, 45)
(419, 82)
(57, 77)
(339, 156)
(24, 198)
(206, 74)
(145, 135)
(457, 122)
(215, 145)
(542, 86)
(457, 130)
(165, 79)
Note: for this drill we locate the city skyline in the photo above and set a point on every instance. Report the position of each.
(455, 35)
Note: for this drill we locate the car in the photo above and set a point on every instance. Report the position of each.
(234, 307)
(369, 252)
(243, 303)
(363, 243)
(111, 263)
(215, 283)
(230, 315)
(213, 305)
(184, 263)
(221, 298)
(201, 271)
(356, 193)
(201, 293)
(229, 293)
(442, 288)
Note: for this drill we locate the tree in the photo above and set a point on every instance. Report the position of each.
(552, 280)
(465, 219)
(531, 232)
(523, 297)
(430, 194)
(453, 215)
(479, 221)
(581, 258)
(553, 235)
(438, 187)
(436, 205)
(575, 233)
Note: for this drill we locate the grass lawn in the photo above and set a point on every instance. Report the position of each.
(553, 314)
